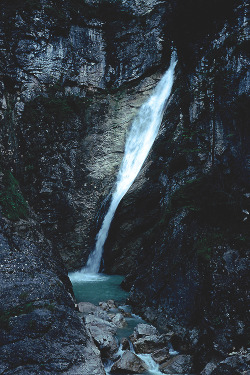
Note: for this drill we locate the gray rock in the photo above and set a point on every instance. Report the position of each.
(40, 333)
(129, 362)
(119, 320)
(161, 355)
(144, 330)
(125, 343)
(236, 364)
(181, 364)
(90, 308)
(149, 344)
(209, 368)
(103, 334)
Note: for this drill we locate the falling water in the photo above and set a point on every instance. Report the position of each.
(140, 139)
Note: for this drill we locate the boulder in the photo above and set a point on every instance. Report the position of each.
(181, 364)
(236, 364)
(104, 306)
(111, 304)
(89, 308)
(130, 363)
(142, 330)
(119, 320)
(103, 334)
(149, 344)
(103, 324)
(161, 355)
(209, 368)
(125, 343)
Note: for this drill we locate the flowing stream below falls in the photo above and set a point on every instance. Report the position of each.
(101, 287)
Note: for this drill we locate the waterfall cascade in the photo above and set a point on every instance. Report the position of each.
(140, 139)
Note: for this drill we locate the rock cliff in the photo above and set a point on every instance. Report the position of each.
(72, 76)
(183, 228)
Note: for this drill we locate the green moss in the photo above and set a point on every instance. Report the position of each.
(16, 311)
(204, 245)
(12, 201)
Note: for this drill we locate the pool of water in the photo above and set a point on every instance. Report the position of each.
(96, 288)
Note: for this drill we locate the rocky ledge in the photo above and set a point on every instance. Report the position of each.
(146, 349)
(40, 332)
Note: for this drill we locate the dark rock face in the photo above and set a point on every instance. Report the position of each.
(72, 77)
(129, 363)
(182, 229)
(65, 124)
(40, 331)
(62, 136)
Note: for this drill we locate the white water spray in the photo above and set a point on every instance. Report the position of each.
(140, 139)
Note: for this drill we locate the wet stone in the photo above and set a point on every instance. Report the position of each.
(129, 362)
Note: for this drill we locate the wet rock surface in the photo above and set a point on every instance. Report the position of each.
(40, 332)
(129, 363)
(181, 364)
(71, 79)
(67, 85)
(186, 231)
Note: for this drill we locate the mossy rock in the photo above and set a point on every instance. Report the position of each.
(12, 201)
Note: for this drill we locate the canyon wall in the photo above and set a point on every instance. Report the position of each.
(73, 75)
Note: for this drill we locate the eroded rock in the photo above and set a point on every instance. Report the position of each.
(181, 364)
(161, 355)
(119, 320)
(89, 308)
(103, 333)
(129, 362)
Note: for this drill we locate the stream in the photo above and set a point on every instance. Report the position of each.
(97, 288)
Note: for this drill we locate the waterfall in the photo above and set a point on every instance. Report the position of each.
(140, 139)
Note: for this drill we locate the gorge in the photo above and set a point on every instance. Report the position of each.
(73, 76)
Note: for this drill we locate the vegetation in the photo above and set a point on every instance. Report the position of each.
(16, 311)
(12, 201)
(205, 243)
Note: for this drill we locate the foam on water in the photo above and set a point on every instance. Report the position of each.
(140, 139)
(81, 277)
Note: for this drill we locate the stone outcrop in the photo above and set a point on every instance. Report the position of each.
(182, 229)
(181, 364)
(72, 76)
(66, 132)
(40, 331)
(129, 362)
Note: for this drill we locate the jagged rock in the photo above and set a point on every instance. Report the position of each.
(149, 344)
(40, 333)
(90, 308)
(181, 364)
(144, 330)
(236, 364)
(146, 339)
(161, 355)
(104, 306)
(125, 344)
(119, 320)
(103, 333)
(129, 362)
(209, 368)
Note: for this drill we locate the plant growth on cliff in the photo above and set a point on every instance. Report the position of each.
(12, 201)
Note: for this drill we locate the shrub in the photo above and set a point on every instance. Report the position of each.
(12, 201)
